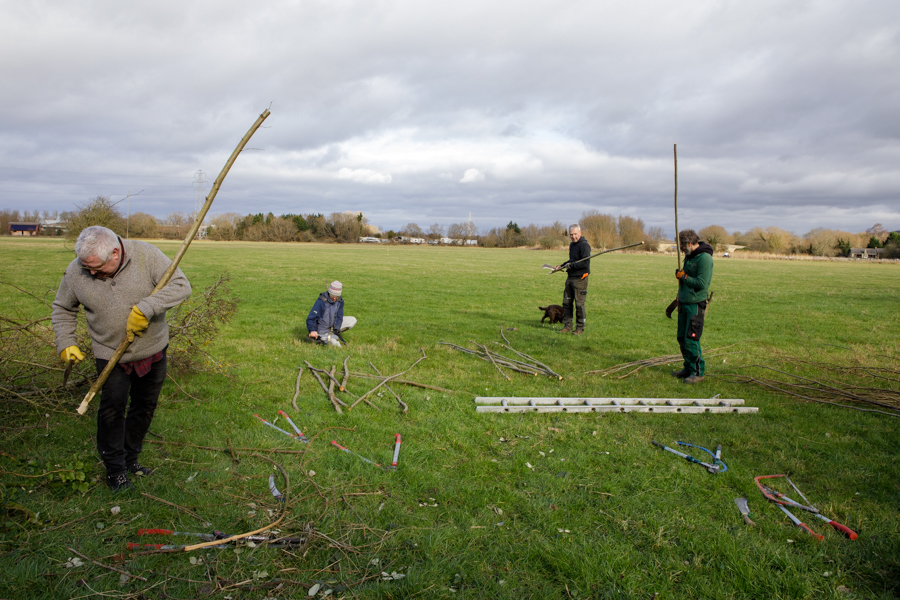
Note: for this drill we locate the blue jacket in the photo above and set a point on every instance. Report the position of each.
(326, 315)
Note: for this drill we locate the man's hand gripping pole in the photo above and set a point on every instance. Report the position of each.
(164, 281)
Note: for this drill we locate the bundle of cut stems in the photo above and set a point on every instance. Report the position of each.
(534, 367)
(827, 389)
(656, 361)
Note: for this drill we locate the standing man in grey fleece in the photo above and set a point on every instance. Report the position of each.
(113, 280)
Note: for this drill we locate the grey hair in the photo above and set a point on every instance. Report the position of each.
(574, 226)
(96, 241)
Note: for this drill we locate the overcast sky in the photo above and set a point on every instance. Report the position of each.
(785, 112)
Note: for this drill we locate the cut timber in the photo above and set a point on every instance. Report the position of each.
(652, 405)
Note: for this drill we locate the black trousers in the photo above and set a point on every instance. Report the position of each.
(122, 426)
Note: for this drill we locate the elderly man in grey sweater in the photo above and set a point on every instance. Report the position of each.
(113, 280)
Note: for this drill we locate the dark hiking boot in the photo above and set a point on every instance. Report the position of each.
(139, 469)
(566, 329)
(578, 331)
(119, 483)
(693, 379)
(681, 374)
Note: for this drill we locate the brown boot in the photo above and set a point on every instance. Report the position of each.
(578, 331)
(566, 329)
(681, 374)
(693, 379)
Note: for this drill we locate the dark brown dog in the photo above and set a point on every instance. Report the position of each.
(554, 312)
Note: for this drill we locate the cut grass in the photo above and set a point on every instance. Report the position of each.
(634, 522)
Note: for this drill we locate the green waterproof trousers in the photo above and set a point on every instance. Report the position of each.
(690, 328)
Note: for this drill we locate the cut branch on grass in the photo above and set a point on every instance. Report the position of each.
(404, 382)
(181, 508)
(491, 358)
(388, 388)
(389, 378)
(328, 393)
(296, 389)
(100, 564)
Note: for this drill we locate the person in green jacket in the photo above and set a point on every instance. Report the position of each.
(693, 292)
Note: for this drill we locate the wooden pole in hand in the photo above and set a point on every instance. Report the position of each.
(164, 281)
(677, 241)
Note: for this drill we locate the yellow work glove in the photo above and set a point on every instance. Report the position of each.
(137, 324)
(72, 353)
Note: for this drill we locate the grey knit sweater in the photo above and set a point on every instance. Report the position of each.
(108, 302)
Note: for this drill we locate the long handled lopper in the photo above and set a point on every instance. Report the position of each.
(781, 500)
(801, 524)
(297, 436)
(713, 467)
(339, 447)
(397, 441)
(555, 269)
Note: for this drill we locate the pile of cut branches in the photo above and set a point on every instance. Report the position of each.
(341, 385)
(30, 369)
(532, 367)
(833, 384)
(657, 361)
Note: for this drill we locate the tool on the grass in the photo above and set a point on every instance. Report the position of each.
(718, 465)
(566, 266)
(396, 451)
(711, 467)
(774, 496)
(801, 524)
(290, 435)
(339, 447)
(278, 495)
(745, 511)
(300, 435)
(779, 498)
(68, 371)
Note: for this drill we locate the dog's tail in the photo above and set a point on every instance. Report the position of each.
(543, 307)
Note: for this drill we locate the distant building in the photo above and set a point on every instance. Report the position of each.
(865, 252)
(369, 240)
(23, 229)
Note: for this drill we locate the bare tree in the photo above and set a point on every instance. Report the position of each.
(600, 230)
(281, 230)
(413, 230)
(436, 231)
(224, 227)
(98, 211)
(716, 236)
(878, 231)
(456, 231)
(630, 229)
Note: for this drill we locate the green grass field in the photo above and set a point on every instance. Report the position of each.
(548, 505)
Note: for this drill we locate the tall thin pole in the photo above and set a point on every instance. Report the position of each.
(164, 280)
(677, 241)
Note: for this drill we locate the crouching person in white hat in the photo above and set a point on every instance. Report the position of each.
(326, 320)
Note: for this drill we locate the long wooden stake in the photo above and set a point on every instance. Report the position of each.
(677, 241)
(164, 281)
